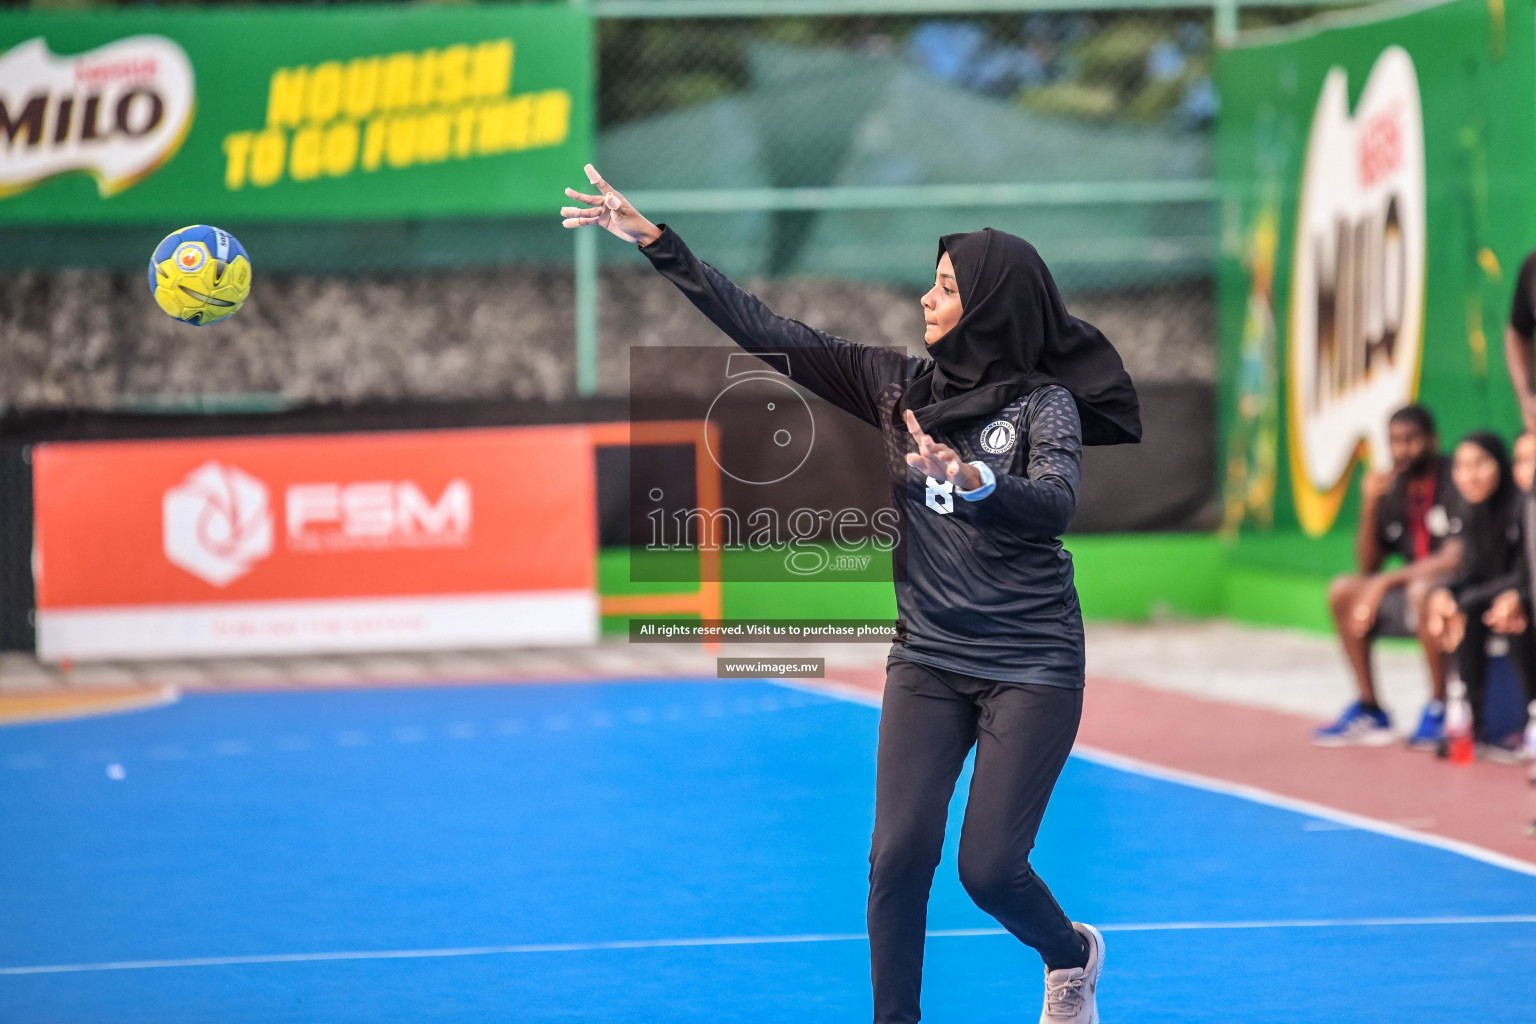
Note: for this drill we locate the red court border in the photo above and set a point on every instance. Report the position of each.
(1410, 792)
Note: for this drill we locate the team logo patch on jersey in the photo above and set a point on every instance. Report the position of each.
(190, 256)
(998, 437)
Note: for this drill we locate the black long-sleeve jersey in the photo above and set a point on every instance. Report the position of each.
(1499, 562)
(982, 587)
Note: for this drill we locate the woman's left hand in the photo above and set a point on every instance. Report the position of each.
(1506, 615)
(939, 460)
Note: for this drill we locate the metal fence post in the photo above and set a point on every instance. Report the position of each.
(586, 286)
(586, 311)
(1226, 21)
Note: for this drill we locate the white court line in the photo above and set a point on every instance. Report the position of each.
(1264, 796)
(747, 940)
(1136, 766)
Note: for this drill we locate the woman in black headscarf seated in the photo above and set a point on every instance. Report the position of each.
(984, 437)
(1490, 592)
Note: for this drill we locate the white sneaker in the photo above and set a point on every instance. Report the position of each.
(1071, 996)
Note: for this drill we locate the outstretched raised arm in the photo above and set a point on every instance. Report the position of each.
(849, 376)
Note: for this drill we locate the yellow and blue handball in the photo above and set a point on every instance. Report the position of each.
(200, 275)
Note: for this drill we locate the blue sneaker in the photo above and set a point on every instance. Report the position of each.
(1357, 727)
(1431, 726)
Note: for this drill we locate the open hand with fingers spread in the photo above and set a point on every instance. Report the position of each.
(608, 210)
(939, 460)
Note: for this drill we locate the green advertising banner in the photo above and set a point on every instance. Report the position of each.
(190, 115)
(1376, 174)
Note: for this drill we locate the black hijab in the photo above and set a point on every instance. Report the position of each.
(1014, 336)
(1487, 529)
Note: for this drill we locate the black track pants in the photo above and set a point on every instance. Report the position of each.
(929, 719)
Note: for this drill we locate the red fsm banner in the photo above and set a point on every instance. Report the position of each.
(330, 542)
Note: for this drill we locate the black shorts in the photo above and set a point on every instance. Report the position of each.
(1394, 616)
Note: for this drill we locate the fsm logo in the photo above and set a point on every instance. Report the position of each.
(216, 523)
(1357, 282)
(118, 112)
(377, 514)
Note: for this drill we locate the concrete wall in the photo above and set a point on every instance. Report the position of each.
(95, 339)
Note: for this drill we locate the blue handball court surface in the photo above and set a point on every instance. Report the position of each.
(685, 851)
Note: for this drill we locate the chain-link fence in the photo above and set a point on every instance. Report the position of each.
(840, 147)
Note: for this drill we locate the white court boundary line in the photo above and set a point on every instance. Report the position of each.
(743, 940)
(1136, 766)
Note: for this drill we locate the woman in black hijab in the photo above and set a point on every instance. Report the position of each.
(989, 648)
(1015, 326)
(1490, 590)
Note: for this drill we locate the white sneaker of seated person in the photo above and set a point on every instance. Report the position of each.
(1071, 995)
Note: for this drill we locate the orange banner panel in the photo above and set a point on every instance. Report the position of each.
(289, 518)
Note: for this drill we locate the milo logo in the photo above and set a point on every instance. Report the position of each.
(1357, 282)
(117, 112)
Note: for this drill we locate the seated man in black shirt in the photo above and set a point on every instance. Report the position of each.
(1403, 513)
